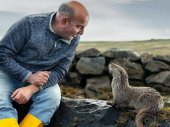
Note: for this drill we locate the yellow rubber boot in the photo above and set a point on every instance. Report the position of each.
(9, 122)
(31, 121)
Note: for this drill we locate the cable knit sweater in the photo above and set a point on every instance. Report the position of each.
(30, 46)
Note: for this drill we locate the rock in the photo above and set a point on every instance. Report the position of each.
(160, 78)
(74, 78)
(146, 57)
(95, 84)
(91, 65)
(156, 66)
(91, 113)
(122, 54)
(165, 58)
(92, 52)
(134, 70)
(84, 113)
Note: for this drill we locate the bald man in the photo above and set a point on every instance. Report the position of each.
(35, 55)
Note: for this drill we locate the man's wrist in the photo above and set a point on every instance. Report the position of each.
(27, 77)
(34, 88)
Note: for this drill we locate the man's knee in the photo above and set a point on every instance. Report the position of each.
(52, 95)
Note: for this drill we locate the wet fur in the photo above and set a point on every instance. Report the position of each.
(142, 99)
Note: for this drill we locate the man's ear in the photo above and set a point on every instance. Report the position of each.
(64, 21)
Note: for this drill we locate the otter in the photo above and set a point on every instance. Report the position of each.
(143, 99)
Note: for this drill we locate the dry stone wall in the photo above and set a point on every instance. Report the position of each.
(90, 69)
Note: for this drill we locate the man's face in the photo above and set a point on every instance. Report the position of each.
(74, 27)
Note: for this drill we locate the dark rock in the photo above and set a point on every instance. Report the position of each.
(165, 58)
(134, 70)
(122, 54)
(160, 78)
(89, 53)
(146, 57)
(74, 79)
(84, 113)
(94, 85)
(156, 66)
(91, 65)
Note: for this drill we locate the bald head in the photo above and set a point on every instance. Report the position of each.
(73, 9)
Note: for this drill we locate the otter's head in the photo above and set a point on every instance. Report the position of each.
(117, 71)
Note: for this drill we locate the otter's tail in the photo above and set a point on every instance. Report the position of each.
(140, 115)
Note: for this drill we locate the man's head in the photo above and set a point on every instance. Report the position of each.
(71, 19)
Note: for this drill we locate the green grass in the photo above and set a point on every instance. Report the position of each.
(156, 47)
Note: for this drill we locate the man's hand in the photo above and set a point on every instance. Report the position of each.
(38, 78)
(23, 95)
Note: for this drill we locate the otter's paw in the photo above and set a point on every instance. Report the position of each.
(111, 104)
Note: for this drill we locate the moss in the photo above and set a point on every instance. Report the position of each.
(72, 92)
(124, 117)
(154, 124)
(153, 120)
(105, 94)
(164, 115)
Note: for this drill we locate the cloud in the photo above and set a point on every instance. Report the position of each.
(109, 19)
(29, 6)
(128, 1)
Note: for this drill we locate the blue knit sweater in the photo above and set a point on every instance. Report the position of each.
(30, 46)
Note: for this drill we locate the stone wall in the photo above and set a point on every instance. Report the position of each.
(90, 69)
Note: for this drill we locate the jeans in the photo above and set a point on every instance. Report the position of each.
(45, 102)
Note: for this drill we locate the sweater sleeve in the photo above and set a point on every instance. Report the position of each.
(58, 73)
(10, 45)
(61, 69)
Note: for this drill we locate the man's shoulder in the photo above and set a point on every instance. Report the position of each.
(43, 15)
(38, 16)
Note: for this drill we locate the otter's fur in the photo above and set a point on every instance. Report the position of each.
(142, 99)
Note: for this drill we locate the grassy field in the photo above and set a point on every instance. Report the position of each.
(157, 47)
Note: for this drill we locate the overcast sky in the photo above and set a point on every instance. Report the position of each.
(110, 20)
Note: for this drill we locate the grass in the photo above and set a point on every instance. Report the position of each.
(153, 119)
(156, 47)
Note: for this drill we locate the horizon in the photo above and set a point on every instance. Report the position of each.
(128, 40)
(110, 20)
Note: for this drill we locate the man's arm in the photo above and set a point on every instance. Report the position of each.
(59, 71)
(22, 95)
(11, 44)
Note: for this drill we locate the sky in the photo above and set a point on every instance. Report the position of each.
(110, 20)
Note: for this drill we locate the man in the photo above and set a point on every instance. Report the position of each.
(35, 55)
